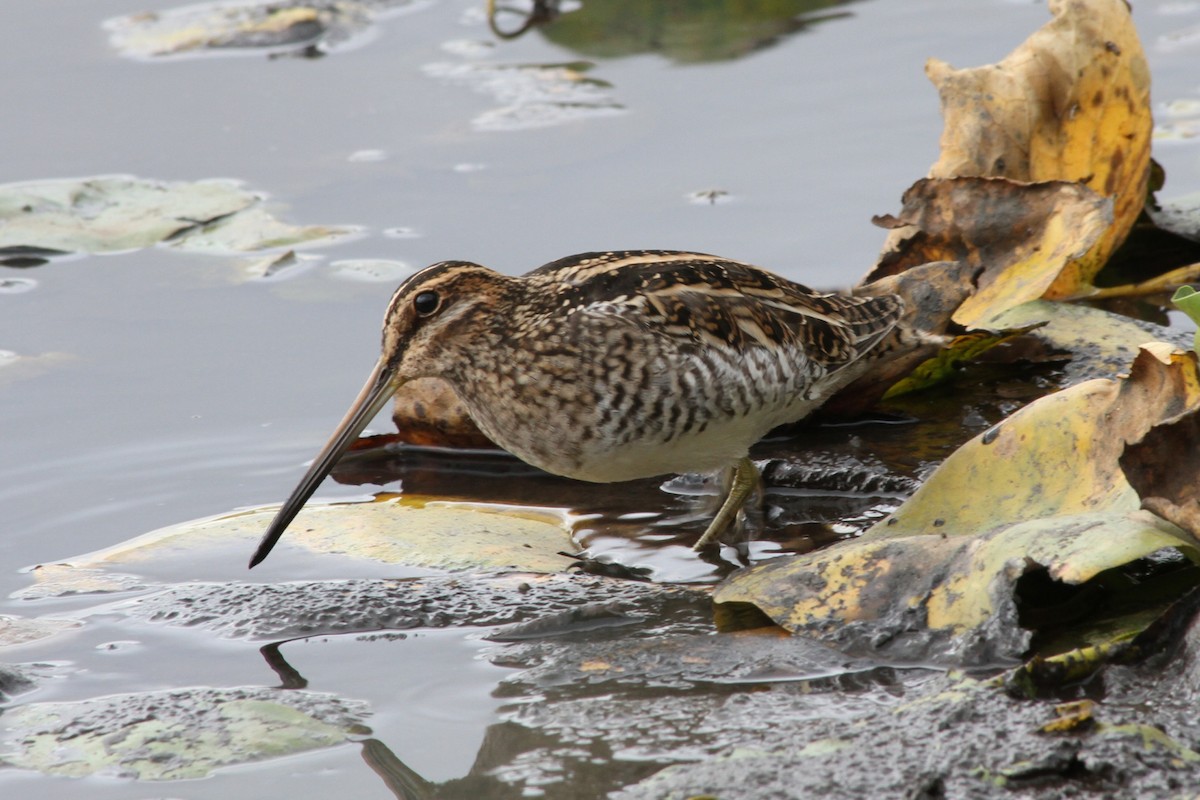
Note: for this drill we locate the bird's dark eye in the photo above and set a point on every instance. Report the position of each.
(425, 303)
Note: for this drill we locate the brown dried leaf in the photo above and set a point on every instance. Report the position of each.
(1021, 236)
(1164, 467)
(428, 412)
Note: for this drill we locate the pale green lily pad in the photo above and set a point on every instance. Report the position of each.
(115, 213)
(391, 530)
(174, 734)
(255, 229)
(277, 266)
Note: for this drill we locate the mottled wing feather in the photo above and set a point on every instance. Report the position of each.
(720, 303)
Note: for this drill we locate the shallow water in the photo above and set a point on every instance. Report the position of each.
(177, 390)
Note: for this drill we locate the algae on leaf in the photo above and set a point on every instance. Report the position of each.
(173, 734)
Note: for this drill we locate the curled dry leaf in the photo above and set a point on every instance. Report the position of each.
(1020, 235)
(1163, 466)
(1042, 492)
(1070, 105)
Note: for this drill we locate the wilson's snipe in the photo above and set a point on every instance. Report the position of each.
(614, 366)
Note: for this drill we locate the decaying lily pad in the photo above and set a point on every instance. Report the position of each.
(174, 734)
(309, 608)
(304, 27)
(532, 95)
(1020, 235)
(108, 214)
(1162, 467)
(1041, 493)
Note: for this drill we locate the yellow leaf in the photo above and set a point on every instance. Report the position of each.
(1071, 103)
(1042, 492)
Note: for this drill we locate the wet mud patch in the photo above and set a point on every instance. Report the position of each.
(311, 608)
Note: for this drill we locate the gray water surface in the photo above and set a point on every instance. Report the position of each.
(178, 391)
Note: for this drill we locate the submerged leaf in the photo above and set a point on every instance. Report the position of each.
(20, 630)
(532, 95)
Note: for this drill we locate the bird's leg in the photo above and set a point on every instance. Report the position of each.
(745, 478)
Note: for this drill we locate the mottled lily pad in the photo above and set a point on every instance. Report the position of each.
(108, 214)
(174, 734)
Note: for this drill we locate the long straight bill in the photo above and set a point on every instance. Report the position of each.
(378, 389)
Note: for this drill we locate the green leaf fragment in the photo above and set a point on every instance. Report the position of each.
(1187, 300)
